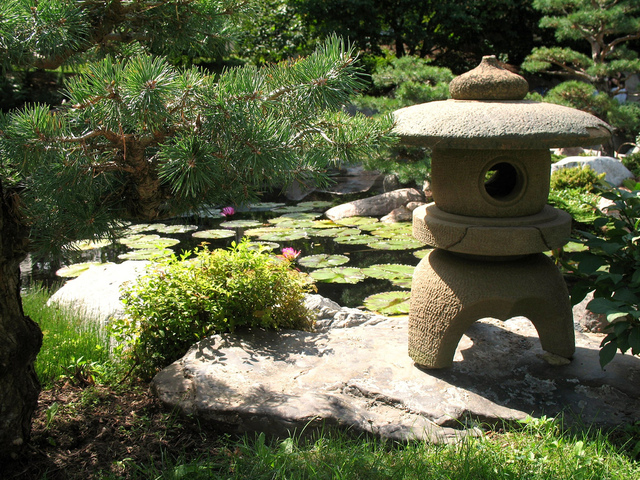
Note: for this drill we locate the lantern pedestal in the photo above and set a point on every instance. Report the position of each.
(450, 292)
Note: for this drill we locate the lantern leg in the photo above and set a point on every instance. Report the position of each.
(450, 292)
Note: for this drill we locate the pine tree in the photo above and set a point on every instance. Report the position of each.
(607, 25)
(140, 139)
(592, 80)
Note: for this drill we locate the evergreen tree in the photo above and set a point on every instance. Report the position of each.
(592, 80)
(607, 25)
(138, 138)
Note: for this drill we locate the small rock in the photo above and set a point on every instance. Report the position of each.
(400, 214)
(413, 205)
(390, 183)
(376, 206)
(570, 151)
(553, 359)
(586, 321)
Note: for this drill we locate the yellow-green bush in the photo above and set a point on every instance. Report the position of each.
(181, 301)
(580, 178)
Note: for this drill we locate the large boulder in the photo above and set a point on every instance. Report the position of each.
(376, 206)
(615, 172)
(362, 380)
(96, 292)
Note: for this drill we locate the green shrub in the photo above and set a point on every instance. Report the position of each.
(574, 191)
(632, 162)
(580, 178)
(405, 81)
(579, 204)
(181, 301)
(610, 268)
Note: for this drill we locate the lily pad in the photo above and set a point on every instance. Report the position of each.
(145, 254)
(241, 224)
(293, 223)
(390, 231)
(356, 221)
(402, 282)
(389, 271)
(263, 245)
(294, 216)
(407, 243)
(287, 236)
(140, 237)
(388, 303)
(139, 228)
(265, 206)
(255, 232)
(422, 253)
(323, 260)
(84, 245)
(338, 275)
(325, 224)
(71, 271)
(328, 232)
(215, 233)
(150, 243)
(293, 209)
(353, 240)
(172, 229)
(315, 204)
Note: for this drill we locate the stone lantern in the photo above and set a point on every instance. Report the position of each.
(490, 220)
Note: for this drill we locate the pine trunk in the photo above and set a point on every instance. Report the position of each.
(20, 338)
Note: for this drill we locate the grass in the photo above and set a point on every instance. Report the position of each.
(71, 347)
(110, 431)
(540, 450)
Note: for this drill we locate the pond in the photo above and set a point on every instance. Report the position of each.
(351, 260)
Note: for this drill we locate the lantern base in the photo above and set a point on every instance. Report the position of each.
(449, 293)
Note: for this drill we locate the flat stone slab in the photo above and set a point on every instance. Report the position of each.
(362, 379)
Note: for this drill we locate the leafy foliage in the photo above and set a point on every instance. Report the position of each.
(452, 32)
(406, 81)
(581, 178)
(611, 269)
(142, 139)
(606, 27)
(181, 301)
(49, 33)
(575, 191)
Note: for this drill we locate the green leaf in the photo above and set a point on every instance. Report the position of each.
(338, 275)
(388, 303)
(588, 263)
(627, 296)
(602, 305)
(607, 353)
(634, 339)
(611, 317)
(323, 260)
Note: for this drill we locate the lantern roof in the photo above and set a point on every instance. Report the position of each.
(488, 111)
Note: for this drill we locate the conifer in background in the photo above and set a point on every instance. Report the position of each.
(606, 28)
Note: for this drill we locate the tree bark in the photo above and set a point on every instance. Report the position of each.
(20, 337)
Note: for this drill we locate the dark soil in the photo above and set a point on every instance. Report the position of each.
(98, 432)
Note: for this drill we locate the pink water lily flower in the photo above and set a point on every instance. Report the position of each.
(228, 211)
(290, 254)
